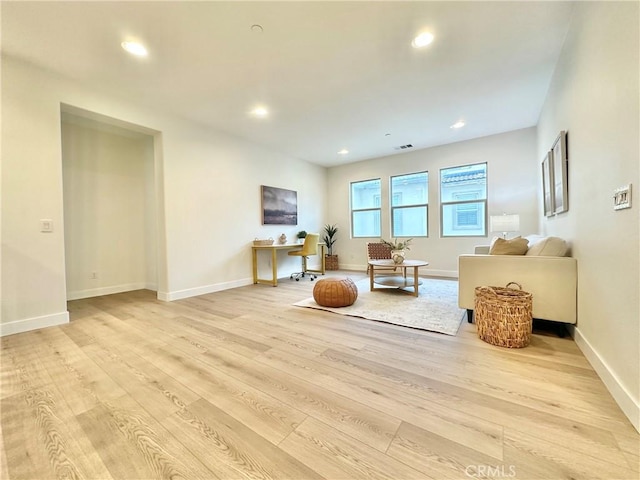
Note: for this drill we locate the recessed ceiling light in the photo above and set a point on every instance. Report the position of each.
(459, 124)
(135, 48)
(260, 112)
(344, 151)
(422, 40)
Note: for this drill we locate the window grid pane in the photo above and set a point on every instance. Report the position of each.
(366, 223)
(365, 194)
(409, 221)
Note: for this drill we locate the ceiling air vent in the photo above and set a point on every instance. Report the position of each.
(403, 147)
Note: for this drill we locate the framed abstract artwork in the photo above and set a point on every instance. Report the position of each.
(279, 206)
(547, 184)
(559, 157)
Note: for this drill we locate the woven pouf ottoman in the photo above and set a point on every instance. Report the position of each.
(335, 292)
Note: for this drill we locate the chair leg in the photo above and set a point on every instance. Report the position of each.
(297, 275)
(312, 276)
(304, 272)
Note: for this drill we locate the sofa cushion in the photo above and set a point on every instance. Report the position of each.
(549, 247)
(514, 246)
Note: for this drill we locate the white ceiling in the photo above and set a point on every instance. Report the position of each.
(333, 74)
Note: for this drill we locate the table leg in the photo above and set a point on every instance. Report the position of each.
(274, 267)
(254, 256)
(415, 281)
(371, 269)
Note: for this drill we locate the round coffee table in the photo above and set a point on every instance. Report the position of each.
(399, 280)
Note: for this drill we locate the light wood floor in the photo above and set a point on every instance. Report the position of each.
(240, 384)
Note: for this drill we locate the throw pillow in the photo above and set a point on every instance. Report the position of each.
(493, 240)
(514, 246)
(549, 247)
(534, 238)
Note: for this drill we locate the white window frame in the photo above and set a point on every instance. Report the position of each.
(377, 208)
(477, 202)
(412, 205)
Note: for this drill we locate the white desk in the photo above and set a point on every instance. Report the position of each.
(274, 260)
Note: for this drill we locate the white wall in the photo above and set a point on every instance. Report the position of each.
(109, 210)
(213, 208)
(33, 286)
(511, 176)
(594, 96)
(208, 189)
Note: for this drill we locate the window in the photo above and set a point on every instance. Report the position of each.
(463, 201)
(409, 205)
(365, 208)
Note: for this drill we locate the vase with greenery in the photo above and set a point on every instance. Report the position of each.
(398, 248)
(398, 244)
(301, 235)
(329, 238)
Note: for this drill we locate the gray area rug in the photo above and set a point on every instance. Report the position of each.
(435, 309)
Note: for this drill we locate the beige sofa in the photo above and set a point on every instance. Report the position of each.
(551, 279)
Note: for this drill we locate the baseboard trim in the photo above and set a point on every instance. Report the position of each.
(35, 323)
(453, 274)
(194, 292)
(98, 292)
(629, 406)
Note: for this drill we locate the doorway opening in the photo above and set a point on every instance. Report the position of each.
(111, 200)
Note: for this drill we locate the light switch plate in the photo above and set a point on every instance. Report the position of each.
(46, 225)
(622, 197)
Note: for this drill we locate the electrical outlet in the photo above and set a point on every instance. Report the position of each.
(622, 197)
(46, 225)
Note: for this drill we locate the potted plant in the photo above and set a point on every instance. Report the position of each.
(398, 248)
(330, 260)
(301, 236)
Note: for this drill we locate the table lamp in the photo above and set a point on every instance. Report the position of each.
(504, 223)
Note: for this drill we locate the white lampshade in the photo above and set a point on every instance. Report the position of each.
(504, 223)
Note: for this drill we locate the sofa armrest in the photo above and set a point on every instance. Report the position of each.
(551, 280)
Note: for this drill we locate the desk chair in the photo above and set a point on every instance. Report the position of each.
(310, 247)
